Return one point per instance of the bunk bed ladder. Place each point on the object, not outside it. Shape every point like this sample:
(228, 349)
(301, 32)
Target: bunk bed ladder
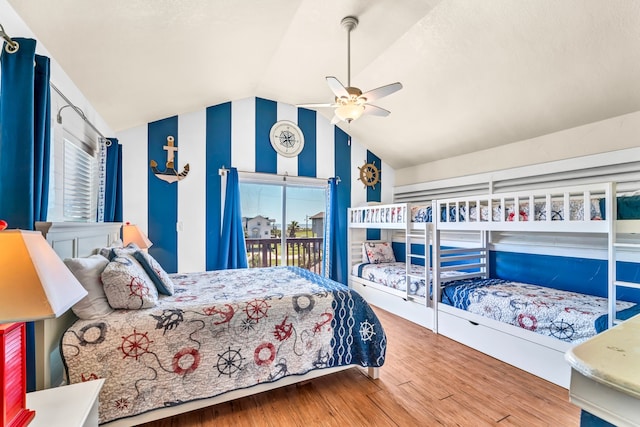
(421, 235)
(436, 284)
(614, 246)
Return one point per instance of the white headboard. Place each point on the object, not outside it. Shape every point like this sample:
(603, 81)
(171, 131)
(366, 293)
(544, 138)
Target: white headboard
(69, 240)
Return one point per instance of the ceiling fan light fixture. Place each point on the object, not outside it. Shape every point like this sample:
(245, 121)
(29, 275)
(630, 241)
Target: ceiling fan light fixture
(350, 103)
(349, 112)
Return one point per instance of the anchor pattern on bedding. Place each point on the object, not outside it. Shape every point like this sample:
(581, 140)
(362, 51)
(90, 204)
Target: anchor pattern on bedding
(221, 331)
(567, 316)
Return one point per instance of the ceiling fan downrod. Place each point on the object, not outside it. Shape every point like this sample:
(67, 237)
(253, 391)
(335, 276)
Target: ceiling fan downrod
(349, 23)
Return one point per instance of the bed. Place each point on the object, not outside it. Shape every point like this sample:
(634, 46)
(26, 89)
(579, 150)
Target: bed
(524, 324)
(571, 317)
(376, 274)
(396, 282)
(219, 336)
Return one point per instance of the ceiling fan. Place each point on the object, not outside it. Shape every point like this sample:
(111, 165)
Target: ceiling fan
(350, 103)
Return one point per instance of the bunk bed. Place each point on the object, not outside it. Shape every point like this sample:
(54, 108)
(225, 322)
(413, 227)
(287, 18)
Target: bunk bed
(459, 233)
(476, 312)
(397, 282)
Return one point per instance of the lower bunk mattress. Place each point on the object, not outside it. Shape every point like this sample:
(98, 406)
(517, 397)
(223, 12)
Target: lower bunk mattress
(221, 331)
(394, 275)
(567, 316)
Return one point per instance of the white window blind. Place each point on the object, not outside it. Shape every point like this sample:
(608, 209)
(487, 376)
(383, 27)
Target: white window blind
(80, 183)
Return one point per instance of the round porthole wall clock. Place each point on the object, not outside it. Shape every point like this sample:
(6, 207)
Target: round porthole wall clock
(286, 138)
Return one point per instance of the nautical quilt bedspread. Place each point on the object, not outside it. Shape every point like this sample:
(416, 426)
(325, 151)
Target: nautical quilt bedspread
(394, 275)
(220, 331)
(568, 316)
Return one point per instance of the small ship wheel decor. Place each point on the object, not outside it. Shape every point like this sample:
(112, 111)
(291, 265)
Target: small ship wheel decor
(369, 174)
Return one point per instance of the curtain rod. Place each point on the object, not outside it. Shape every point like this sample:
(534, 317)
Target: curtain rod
(224, 170)
(12, 45)
(79, 112)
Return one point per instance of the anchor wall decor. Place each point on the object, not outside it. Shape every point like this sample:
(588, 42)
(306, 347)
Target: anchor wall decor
(170, 174)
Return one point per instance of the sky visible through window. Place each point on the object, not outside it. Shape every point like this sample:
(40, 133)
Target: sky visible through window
(266, 200)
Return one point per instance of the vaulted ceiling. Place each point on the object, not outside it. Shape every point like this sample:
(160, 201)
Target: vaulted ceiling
(476, 74)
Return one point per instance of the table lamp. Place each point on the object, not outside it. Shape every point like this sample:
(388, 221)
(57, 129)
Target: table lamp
(131, 234)
(34, 284)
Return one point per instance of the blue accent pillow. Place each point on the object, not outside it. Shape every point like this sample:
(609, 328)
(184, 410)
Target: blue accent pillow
(158, 276)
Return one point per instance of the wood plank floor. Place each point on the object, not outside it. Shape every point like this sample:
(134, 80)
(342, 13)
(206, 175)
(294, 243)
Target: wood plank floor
(427, 380)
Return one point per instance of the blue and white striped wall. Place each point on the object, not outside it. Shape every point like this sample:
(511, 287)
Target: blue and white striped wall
(182, 219)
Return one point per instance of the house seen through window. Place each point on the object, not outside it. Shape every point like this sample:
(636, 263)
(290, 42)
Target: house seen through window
(283, 223)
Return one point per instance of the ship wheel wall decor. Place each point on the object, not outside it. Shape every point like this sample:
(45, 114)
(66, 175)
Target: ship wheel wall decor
(369, 174)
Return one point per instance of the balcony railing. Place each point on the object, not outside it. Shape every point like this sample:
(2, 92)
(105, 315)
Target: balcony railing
(304, 252)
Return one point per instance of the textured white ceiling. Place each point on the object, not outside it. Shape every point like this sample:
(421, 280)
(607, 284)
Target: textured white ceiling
(476, 74)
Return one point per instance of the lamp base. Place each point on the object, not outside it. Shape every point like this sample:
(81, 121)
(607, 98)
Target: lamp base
(23, 418)
(13, 412)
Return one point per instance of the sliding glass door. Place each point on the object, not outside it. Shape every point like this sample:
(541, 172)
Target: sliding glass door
(283, 223)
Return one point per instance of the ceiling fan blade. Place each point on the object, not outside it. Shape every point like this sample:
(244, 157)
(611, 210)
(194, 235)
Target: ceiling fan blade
(323, 105)
(381, 91)
(372, 110)
(336, 87)
(335, 120)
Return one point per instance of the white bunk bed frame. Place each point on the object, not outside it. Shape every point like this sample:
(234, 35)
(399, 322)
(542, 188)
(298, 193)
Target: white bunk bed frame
(540, 355)
(72, 240)
(416, 309)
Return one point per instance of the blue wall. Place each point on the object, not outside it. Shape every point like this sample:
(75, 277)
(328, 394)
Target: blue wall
(163, 197)
(233, 134)
(583, 275)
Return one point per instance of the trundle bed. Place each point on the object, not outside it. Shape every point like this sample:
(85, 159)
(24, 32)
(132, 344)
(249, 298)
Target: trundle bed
(219, 336)
(476, 309)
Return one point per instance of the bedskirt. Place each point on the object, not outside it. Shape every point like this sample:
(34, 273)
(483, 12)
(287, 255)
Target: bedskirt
(221, 331)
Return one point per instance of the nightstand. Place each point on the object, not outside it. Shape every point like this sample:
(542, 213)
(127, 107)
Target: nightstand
(74, 405)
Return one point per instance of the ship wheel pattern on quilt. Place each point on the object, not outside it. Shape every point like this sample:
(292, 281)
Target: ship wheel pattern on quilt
(257, 309)
(562, 330)
(366, 331)
(229, 362)
(135, 345)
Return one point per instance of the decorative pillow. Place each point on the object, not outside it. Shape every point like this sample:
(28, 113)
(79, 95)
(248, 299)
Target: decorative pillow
(127, 285)
(130, 249)
(88, 271)
(158, 276)
(106, 251)
(379, 252)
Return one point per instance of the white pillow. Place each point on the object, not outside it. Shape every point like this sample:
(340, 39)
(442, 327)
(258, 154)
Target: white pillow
(88, 271)
(127, 285)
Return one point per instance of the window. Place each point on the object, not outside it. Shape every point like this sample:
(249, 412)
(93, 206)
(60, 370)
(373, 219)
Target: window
(73, 182)
(290, 216)
(80, 182)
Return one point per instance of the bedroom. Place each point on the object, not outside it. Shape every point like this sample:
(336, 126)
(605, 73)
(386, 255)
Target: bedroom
(593, 122)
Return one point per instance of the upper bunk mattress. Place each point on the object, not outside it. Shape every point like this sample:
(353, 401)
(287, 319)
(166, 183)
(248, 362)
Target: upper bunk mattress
(567, 316)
